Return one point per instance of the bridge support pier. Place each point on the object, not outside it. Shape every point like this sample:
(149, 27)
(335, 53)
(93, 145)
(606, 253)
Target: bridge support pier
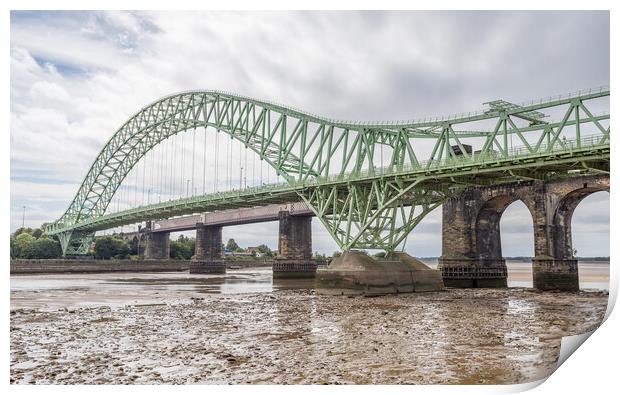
(471, 255)
(555, 274)
(208, 255)
(356, 273)
(157, 245)
(294, 258)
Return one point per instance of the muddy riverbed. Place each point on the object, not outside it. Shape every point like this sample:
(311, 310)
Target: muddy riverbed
(210, 329)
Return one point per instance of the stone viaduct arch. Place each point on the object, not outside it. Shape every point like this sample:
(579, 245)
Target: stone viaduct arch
(471, 244)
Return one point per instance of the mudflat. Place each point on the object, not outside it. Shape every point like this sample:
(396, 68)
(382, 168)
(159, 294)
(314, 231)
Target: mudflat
(294, 336)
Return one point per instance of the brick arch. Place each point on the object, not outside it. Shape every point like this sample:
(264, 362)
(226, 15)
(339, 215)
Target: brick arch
(488, 236)
(471, 244)
(563, 214)
(471, 252)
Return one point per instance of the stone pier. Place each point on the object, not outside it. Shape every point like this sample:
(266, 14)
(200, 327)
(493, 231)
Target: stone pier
(294, 259)
(471, 248)
(157, 245)
(471, 244)
(208, 257)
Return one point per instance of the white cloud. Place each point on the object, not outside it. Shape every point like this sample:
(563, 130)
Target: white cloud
(76, 77)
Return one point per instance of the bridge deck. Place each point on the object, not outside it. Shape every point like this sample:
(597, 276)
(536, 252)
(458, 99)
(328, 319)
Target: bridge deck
(232, 217)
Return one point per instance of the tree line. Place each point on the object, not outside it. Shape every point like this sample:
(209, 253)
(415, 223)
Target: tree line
(29, 243)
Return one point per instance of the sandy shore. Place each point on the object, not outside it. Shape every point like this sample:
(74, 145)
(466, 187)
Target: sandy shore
(592, 275)
(294, 336)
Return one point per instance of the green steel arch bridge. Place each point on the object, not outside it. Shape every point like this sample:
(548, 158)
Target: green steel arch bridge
(369, 183)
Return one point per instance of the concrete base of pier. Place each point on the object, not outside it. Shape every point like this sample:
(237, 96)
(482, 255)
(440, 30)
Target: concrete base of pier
(294, 268)
(555, 274)
(355, 273)
(473, 273)
(207, 267)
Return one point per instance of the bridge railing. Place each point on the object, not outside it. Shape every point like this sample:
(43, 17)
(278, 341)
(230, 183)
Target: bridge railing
(549, 101)
(520, 152)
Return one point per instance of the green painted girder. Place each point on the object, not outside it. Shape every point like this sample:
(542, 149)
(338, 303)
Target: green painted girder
(301, 147)
(427, 188)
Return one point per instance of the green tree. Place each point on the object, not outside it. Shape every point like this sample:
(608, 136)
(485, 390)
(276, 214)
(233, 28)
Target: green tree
(181, 249)
(232, 245)
(265, 250)
(23, 245)
(13, 248)
(37, 233)
(107, 247)
(22, 231)
(45, 248)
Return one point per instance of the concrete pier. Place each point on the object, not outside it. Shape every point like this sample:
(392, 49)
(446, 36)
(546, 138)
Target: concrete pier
(355, 273)
(208, 257)
(157, 245)
(294, 259)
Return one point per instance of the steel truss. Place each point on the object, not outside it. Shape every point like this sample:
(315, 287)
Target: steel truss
(335, 166)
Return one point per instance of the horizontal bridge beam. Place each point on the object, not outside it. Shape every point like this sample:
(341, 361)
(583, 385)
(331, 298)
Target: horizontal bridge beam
(240, 216)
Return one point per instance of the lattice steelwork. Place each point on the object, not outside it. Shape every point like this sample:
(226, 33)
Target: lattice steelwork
(369, 183)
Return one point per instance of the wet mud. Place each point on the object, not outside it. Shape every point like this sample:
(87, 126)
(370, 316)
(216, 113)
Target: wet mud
(294, 336)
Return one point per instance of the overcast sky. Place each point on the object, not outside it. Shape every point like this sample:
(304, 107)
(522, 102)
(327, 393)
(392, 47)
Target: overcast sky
(77, 76)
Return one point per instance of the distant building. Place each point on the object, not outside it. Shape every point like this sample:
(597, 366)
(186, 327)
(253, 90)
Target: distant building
(228, 252)
(254, 251)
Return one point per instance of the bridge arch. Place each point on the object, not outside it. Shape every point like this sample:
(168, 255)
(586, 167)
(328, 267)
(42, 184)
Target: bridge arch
(563, 214)
(163, 119)
(488, 232)
(471, 242)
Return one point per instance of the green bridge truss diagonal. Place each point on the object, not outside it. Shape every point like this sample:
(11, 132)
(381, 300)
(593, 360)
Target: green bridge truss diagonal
(334, 166)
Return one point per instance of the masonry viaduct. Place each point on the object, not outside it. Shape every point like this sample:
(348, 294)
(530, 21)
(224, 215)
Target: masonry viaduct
(471, 243)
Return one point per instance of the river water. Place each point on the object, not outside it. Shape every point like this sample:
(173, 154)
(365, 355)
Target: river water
(244, 328)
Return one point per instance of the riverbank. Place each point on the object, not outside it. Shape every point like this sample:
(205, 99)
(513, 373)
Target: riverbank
(470, 336)
(50, 266)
